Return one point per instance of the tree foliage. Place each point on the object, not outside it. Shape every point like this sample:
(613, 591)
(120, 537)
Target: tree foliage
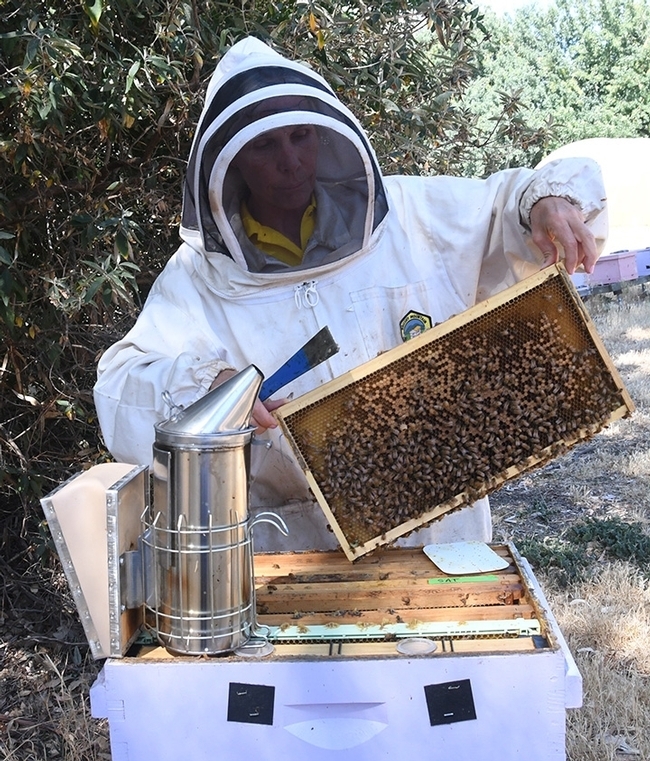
(579, 69)
(98, 103)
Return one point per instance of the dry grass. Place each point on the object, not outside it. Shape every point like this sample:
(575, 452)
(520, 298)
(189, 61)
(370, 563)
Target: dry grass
(601, 600)
(45, 672)
(606, 622)
(602, 603)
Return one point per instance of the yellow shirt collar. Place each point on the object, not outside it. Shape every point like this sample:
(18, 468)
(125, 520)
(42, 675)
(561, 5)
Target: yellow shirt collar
(274, 243)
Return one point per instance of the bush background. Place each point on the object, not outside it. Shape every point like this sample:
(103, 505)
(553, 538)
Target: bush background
(98, 103)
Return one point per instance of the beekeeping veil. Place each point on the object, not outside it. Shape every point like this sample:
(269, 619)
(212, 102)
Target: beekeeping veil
(254, 90)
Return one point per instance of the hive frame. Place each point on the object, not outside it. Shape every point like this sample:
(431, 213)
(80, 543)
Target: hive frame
(313, 402)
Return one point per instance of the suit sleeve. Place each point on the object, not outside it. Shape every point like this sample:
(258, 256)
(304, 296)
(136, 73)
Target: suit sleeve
(170, 348)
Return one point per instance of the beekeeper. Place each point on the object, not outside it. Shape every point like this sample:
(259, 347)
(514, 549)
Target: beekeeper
(288, 226)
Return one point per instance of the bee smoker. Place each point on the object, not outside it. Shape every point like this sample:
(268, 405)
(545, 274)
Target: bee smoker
(197, 535)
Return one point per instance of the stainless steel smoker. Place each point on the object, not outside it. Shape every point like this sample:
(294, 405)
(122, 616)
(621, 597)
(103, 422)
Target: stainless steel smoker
(181, 564)
(199, 581)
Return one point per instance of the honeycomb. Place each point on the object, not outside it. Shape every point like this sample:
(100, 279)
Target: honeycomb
(442, 424)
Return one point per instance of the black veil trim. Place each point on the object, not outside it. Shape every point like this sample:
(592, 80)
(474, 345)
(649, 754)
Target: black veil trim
(232, 90)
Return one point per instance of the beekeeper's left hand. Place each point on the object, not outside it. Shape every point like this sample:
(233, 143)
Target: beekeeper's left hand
(556, 224)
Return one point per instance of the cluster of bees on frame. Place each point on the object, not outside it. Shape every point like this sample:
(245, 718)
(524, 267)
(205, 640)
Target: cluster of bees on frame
(453, 416)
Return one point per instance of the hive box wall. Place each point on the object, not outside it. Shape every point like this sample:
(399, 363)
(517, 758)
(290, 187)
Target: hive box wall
(352, 710)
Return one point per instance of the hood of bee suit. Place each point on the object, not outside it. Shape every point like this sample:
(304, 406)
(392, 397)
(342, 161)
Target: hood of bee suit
(254, 90)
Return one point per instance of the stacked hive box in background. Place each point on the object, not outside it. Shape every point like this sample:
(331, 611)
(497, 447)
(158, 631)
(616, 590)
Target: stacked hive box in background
(448, 417)
(614, 268)
(643, 262)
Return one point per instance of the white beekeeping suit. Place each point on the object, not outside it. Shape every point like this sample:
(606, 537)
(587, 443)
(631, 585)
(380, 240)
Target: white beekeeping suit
(382, 248)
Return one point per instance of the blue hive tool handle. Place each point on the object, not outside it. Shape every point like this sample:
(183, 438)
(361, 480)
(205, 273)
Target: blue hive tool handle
(319, 348)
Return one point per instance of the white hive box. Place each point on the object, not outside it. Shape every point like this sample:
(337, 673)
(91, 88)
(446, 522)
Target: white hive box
(336, 688)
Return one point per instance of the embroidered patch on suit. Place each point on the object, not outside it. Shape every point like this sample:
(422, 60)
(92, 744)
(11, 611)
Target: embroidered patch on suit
(414, 323)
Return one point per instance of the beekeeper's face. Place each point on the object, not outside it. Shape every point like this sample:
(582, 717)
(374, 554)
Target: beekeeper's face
(279, 168)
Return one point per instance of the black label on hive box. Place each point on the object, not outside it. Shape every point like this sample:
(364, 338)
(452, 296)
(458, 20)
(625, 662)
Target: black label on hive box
(251, 703)
(449, 702)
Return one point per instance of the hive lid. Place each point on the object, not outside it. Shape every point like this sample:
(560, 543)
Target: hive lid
(94, 519)
(456, 412)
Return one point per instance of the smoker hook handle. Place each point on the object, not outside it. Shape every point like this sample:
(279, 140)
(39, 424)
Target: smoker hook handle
(269, 517)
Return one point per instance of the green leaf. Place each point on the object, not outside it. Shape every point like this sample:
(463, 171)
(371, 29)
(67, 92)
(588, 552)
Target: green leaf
(92, 289)
(122, 244)
(5, 257)
(33, 47)
(94, 12)
(44, 109)
(20, 155)
(81, 220)
(135, 67)
(390, 105)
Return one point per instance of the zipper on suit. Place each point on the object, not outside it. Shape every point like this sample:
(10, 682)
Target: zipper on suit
(305, 295)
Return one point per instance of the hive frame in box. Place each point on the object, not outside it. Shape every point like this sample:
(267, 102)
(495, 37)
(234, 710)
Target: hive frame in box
(583, 392)
(391, 595)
